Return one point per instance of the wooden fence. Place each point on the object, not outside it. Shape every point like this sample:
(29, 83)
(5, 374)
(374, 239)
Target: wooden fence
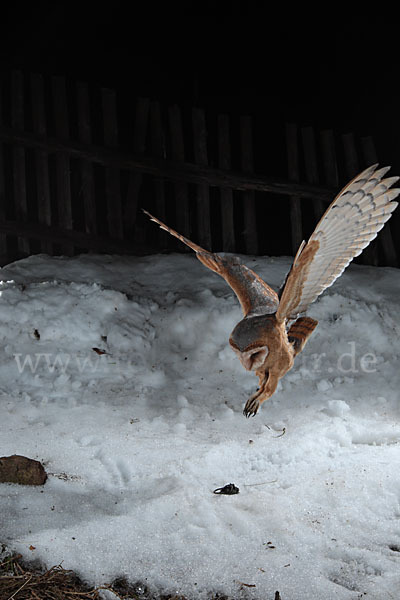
(76, 165)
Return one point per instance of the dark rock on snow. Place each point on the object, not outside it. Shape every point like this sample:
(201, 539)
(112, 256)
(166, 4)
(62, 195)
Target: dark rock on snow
(22, 470)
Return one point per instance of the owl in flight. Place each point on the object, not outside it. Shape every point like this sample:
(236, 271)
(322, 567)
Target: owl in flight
(264, 340)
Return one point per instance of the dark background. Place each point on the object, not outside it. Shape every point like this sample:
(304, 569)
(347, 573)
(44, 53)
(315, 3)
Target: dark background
(319, 67)
(313, 67)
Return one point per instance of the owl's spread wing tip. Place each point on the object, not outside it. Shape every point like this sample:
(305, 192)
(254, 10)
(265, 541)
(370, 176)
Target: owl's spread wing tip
(192, 245)
(146, 212)
(151, 217)
(155, 220)
(350, 223)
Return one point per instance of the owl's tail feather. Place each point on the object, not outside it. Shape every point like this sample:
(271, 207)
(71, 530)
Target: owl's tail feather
(300, 331)
(210, 260)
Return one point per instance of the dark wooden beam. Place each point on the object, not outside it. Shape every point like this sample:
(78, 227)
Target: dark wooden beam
(172, 170)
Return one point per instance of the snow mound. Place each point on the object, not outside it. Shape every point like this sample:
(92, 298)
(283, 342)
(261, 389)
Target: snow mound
(116, 373)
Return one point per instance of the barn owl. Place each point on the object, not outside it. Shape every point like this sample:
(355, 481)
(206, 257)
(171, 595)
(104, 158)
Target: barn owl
(267, 340)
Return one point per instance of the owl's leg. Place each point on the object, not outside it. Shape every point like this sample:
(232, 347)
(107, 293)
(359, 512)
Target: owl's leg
(268, 385)
(252, 405)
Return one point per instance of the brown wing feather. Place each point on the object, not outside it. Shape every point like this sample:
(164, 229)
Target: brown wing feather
(255, 296)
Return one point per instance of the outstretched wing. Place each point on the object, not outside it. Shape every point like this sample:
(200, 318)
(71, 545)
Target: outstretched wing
(350, 223)
(255, 296)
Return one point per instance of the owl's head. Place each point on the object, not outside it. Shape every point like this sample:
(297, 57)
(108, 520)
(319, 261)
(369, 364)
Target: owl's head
(249, 340)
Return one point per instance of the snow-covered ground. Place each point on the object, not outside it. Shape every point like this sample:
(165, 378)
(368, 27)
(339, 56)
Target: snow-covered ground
(136, 439)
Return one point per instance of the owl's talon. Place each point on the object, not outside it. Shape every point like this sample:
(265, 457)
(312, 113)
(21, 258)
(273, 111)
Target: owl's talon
(251, 408)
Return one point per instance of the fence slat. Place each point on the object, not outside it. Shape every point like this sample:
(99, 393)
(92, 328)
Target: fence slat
(178, 155)
(224, 162)
(329, 158)
(113, 182)
(186, 177)
(19, 167)
(203, 190)
(41, 157)
(311, 163)
(294, 175)
(86, 167)
(135, 177)
(3, 237)
(61, 121)
(352, 163)
(385, 235)
(249, 203)
(158, 150)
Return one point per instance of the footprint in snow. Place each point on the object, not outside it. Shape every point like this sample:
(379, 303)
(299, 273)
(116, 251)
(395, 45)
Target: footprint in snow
(117, 469)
